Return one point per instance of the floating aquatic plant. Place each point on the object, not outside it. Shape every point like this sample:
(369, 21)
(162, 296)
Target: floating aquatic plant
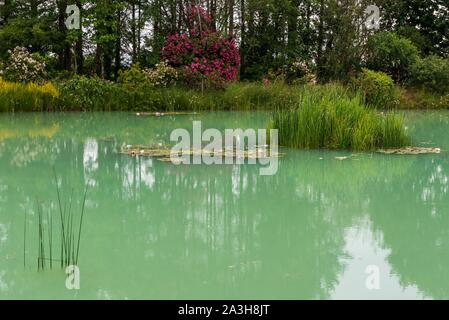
(164, 154)
(411, 151)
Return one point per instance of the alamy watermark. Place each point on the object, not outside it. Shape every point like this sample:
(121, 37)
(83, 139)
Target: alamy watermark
(372, 21)
(73, 20)
(73, 280)
(372, 281)
(237, 146)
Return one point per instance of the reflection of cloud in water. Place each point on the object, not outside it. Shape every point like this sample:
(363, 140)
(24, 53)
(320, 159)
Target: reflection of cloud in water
(362, 250)
(3, 189)
(146, 172)
(103, 295)
(3, 233)
(436, 184)
(3, 284)
(239, 180)
(236, 180)
(90, 160)
(128, 179)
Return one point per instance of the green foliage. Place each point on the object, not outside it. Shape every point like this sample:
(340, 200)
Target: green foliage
(431, 73)
(36, 33)
(426, 23)
(377, 88)
(423, 99)
(391, 54)
(92, 94)
(132, 77)
(82, 93)
(327, 117)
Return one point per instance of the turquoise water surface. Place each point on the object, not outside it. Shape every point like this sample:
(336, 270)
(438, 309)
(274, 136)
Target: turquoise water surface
(153, 230)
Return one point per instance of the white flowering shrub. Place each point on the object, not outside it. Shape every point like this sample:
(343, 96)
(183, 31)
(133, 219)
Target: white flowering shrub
(162, 75)
(299, 72)
(22, 67)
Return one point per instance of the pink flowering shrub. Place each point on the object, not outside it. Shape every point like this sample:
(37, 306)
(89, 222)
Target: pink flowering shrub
(203, 55)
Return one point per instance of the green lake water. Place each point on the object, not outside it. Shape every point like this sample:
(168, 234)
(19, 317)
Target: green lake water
(153, 230)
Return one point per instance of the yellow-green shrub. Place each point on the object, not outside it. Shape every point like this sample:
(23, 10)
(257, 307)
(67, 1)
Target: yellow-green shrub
(27, 97)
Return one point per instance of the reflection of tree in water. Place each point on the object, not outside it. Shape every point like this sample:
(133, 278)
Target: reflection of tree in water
(244, 233)
(411, 211)
(415, 224)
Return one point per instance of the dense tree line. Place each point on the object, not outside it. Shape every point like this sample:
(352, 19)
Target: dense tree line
(329, 35)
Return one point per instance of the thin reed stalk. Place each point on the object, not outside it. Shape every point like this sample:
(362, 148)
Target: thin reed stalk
(81, 224)
(70, 232)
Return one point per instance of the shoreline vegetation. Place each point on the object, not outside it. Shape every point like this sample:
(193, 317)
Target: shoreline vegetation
(308, 116)
(331, 94)
(331, 116)
(94, 94)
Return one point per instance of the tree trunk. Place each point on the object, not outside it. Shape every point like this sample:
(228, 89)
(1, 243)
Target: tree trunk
(118, 44)
(99, 70)
(242, 37)
(133, 32)
(79, 42)
(139, 27)
(231, 17)
(320, 41)
(64, 54)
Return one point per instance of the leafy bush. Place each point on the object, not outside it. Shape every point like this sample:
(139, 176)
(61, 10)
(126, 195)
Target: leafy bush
(431, 73)
(23, 67)
(132, 77)
(27, 97)
(392, 54)
(330, 118)
(92, 94)
(378, 89)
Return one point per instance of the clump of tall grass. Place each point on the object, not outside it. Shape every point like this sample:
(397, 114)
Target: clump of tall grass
(330, 118)
(70, 228)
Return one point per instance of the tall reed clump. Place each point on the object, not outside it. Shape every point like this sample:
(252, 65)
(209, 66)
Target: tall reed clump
(15, 96)
(70, 231)
(330, 118)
